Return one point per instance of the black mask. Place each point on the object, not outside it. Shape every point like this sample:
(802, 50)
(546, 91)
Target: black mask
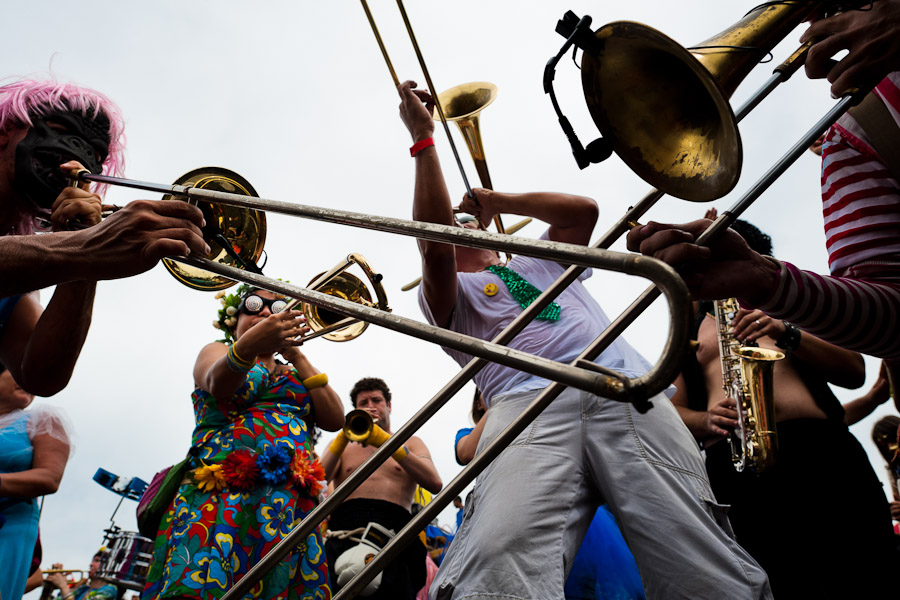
(72, 136)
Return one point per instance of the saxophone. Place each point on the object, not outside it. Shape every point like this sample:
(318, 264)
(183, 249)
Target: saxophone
(747, 378)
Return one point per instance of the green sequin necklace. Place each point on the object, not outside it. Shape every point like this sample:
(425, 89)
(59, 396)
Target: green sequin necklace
(524, 293)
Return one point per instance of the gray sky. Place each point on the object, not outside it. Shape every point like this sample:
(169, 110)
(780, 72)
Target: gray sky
(296, 97)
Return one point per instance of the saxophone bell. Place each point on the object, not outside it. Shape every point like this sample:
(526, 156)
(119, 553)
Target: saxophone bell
(758, 437)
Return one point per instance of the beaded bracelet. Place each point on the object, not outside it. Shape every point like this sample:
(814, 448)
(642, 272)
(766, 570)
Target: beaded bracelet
(311, 383)
(236, 363)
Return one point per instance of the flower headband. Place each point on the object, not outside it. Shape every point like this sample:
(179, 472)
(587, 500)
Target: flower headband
(228, 314)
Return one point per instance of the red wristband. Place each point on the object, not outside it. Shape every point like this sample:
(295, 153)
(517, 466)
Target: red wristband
(418, 146)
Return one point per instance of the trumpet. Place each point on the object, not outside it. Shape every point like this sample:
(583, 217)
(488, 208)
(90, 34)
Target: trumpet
(359, 425)
(64, 572)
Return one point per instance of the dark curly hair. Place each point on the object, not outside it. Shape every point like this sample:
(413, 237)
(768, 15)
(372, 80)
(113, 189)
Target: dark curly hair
(370, 384)
(756, 239)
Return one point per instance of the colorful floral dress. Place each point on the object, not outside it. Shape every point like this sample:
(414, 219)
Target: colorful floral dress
(254, 476)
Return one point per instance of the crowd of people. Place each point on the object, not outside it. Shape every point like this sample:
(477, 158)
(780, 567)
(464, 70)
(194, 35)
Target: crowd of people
(594, 499)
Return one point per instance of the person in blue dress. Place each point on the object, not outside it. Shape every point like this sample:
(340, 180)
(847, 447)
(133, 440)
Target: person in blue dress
(34, 449)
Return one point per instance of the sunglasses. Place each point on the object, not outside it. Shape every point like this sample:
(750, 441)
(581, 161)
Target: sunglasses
(253, 305)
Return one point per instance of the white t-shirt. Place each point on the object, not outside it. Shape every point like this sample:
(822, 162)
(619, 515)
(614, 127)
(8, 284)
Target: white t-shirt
(581, 321)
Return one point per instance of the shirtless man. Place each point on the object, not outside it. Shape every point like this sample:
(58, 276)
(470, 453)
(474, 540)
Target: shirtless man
(384, 498)
(820, 508)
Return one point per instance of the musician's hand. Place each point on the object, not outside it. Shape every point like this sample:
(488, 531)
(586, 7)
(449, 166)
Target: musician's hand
(725, 268)
(750, 325)
(869, 36)
(135, 238)
(880, 392)
(721, 419)
(481, 205)
(416, 110)
(272, 333)
(58, 580)
(291, 353)
(895, 510)
(75, 204)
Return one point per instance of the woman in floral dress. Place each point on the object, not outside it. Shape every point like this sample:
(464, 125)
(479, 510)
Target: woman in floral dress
(254, 473)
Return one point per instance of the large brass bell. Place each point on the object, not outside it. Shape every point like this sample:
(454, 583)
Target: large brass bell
(243, 229)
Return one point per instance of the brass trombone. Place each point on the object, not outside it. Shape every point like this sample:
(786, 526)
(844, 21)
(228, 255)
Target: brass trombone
(583, 375)
(461, 104)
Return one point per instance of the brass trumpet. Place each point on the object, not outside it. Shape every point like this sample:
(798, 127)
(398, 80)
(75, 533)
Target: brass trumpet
(359, 425)
(63, 571)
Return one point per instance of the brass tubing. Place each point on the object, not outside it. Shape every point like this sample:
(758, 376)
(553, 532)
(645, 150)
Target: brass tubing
(613, 386)
(384, 52)
(434, 94)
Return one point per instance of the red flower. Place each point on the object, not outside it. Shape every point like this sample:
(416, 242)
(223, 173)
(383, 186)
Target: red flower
(307, 472)
(240, 470)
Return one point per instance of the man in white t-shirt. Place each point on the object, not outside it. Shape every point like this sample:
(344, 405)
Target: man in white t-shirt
(531, 507)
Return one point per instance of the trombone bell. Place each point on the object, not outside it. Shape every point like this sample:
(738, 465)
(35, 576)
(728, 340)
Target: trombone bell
(665, 108)
(462, 105)
(663, 111)
(340, 284)
(347, 287)
(244, 229)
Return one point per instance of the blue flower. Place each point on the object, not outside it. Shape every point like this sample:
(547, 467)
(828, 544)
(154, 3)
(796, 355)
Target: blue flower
(276, 516)
(274, 464)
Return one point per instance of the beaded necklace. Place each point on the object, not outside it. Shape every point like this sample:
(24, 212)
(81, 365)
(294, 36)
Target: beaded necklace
(524, 293)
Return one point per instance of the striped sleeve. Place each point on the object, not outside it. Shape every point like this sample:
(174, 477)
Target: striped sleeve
(856, 314)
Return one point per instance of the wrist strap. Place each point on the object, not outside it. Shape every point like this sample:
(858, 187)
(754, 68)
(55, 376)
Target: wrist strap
(790, 340)
(419, 146)
(400, 453)
(338, 444)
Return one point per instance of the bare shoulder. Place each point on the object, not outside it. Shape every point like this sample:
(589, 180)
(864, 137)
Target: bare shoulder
(417, 446)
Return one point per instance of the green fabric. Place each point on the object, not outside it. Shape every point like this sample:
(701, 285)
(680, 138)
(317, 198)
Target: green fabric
(524, 293)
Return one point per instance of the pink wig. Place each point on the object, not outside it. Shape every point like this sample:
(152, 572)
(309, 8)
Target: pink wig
(26, 99)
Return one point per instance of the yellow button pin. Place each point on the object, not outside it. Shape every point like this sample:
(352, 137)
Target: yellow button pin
(491, 289)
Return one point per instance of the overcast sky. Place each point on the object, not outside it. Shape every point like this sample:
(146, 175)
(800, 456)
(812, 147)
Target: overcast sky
(296, 97)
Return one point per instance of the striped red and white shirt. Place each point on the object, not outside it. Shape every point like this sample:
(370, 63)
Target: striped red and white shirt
(860, 197)
(858, 307)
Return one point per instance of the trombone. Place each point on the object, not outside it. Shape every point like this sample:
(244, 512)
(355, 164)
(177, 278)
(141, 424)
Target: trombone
(584, 375)
(461, 104)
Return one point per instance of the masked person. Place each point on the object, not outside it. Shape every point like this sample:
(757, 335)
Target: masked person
(46, 129)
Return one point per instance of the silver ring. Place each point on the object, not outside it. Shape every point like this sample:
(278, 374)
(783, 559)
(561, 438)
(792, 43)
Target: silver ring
(757, 322)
